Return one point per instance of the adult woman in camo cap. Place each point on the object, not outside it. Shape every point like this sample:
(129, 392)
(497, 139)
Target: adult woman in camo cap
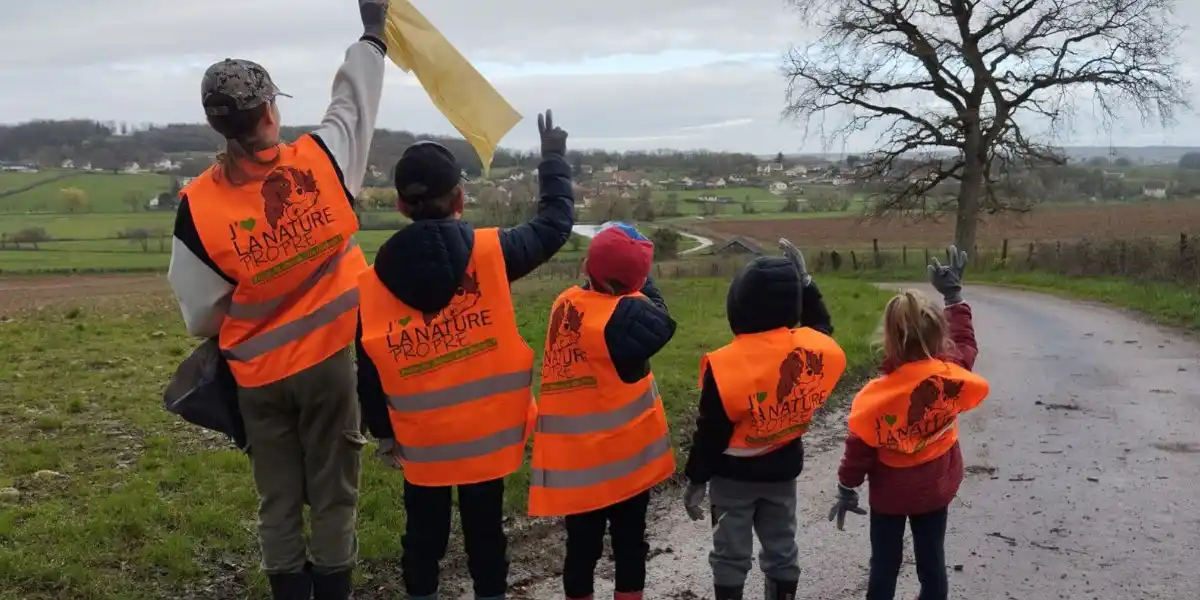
(263, 259)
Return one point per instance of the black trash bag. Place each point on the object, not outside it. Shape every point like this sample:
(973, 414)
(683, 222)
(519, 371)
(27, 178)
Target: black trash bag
(204, 393)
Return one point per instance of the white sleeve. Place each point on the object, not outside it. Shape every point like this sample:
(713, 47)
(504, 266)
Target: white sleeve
(203, 295)
(349, 124)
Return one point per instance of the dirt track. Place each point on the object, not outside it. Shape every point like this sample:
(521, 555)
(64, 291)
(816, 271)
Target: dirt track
(1083, 467)
(31, 292)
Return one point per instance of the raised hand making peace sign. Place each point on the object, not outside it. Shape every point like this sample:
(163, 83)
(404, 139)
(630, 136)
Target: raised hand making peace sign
(554, 139)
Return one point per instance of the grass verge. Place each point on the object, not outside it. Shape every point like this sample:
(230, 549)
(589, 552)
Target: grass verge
(115, 498)
(1171, 304)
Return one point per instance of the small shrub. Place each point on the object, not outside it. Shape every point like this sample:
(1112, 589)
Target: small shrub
(666, 243)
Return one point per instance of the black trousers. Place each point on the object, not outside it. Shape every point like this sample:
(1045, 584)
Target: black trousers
(887, 554)
(427, 532)
(626, 523)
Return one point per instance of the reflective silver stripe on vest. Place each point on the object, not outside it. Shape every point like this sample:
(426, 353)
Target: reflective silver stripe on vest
(290, 332)
(575, 478)
(266, 308)
(463, 450)
(591, 423)
(744, 452)
(462, 393)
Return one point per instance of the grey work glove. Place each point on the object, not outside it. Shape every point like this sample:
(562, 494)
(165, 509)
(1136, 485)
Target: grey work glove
(554, 139)
(374, 16)
(389, 453)
(693, 500)
(948, 280)
(847, 501)
(793, 254)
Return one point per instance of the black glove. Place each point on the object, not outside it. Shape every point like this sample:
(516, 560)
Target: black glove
(374, 15)
(948, 280)
(554, 139)
(847, 501)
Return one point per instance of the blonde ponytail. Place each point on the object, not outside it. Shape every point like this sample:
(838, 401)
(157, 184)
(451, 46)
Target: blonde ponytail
(913, 328)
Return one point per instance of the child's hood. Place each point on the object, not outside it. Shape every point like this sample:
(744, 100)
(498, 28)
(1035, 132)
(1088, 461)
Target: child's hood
(765, 295)
(423, 264)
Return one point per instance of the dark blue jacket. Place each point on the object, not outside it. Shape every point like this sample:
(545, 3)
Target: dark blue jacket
(423, 264)
(636, 331)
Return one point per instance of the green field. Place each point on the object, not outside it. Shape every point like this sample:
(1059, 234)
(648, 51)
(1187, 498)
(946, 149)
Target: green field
(764, 204)
(11, 181)
(129, 255)
(105, 192)
(120, 500)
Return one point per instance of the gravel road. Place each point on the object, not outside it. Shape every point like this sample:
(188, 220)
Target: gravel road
(1082, 472)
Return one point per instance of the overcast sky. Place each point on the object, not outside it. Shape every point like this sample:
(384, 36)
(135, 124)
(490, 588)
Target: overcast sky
(620, 74)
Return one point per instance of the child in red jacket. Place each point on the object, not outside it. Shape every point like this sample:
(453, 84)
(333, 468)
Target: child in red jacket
(904, 432)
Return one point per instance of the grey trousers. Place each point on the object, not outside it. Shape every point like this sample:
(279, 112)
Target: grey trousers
(742, 509)
(305, 447)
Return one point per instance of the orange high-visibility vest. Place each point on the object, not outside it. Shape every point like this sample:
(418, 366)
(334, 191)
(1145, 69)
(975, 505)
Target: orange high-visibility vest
(771, 383)
(458, 380)
(287, 242)
(911, 414)
(599, 440)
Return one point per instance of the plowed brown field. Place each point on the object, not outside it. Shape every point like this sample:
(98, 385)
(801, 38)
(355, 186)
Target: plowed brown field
(17, 293)
(1148, 219)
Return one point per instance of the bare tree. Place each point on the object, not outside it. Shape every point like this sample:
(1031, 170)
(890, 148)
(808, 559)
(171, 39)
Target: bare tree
(957, 86)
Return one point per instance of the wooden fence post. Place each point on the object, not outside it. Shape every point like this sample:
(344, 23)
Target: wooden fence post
(875, 250)
(904, 255)
(854, 259)
(1029, 257)
(1183, 244)
(1004, 253)
(926, 255)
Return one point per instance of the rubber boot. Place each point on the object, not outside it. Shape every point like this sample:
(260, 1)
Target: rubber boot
(627, 595)
(780, 590)
(290, 586)
(332, 586)
(727, 592)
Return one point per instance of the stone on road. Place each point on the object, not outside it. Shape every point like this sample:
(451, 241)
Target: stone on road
(1081, 472)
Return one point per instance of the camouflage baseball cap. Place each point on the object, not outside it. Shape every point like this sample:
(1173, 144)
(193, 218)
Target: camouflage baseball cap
(236, 84)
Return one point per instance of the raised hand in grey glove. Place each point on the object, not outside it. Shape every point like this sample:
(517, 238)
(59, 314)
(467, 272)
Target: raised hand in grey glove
(948, 279)
(554, 139)
(374, 15)
(693, 499)
(847, 501)
(793, 254)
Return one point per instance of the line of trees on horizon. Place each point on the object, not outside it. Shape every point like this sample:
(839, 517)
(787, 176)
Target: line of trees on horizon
(111, 146)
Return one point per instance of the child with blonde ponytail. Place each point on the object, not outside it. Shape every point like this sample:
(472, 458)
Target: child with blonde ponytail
(904, 431)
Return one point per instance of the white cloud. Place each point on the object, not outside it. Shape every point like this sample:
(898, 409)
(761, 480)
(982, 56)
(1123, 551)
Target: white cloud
(623, 74)
(718, 124)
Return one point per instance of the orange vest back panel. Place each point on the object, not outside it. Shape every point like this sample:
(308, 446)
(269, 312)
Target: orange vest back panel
(599, 440)
(911, 414)
(458, 380)
(287, 241)
(771, 383)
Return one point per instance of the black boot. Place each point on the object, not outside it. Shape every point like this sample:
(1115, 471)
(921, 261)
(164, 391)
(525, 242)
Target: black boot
(290, 586)
(727, 592)
(332, 586)
(780, 590)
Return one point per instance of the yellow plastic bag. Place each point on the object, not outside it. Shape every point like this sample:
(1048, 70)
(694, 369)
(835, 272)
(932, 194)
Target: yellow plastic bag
(459, 91)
